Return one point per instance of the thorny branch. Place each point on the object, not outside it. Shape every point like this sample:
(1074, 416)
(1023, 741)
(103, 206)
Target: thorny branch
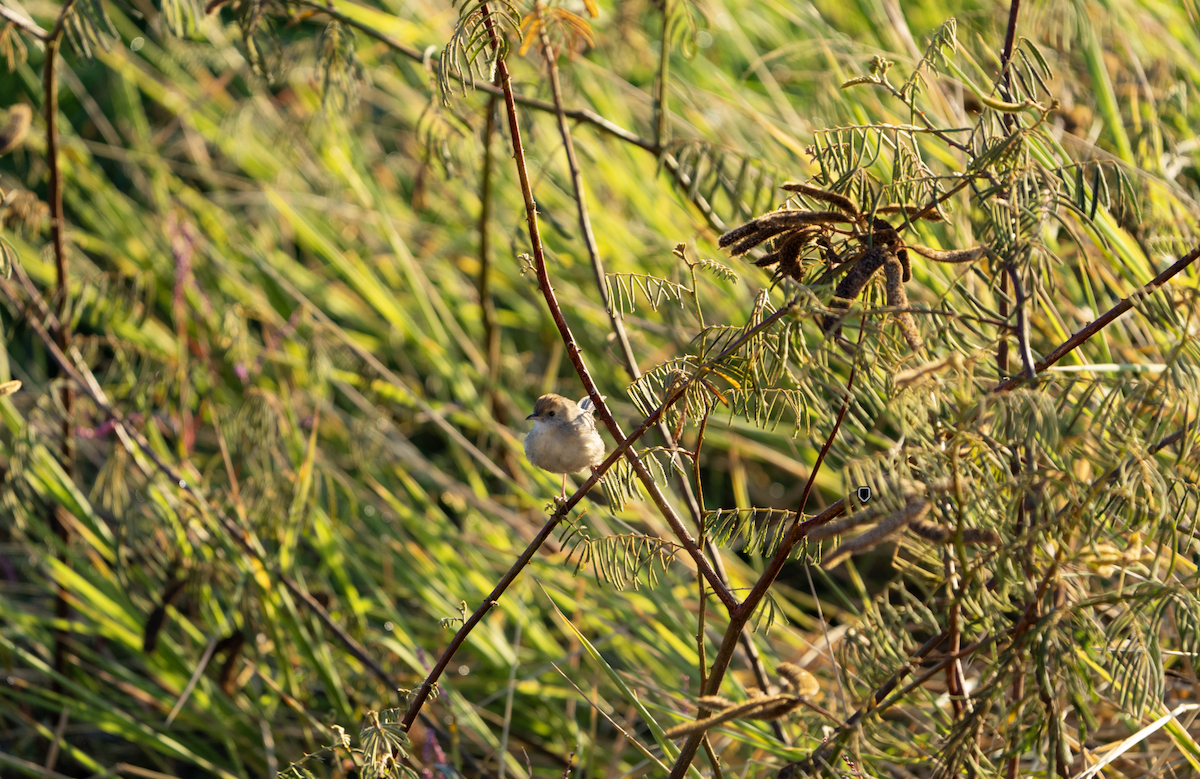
(1076, 340)
(618, 327)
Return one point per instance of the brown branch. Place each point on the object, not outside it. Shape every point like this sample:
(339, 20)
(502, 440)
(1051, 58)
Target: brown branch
(624, 449)
(741, 616)
(1104, 320)
(661, 85)
(1022, 322)
(1010, 38)
(572, 349)
(618, 328)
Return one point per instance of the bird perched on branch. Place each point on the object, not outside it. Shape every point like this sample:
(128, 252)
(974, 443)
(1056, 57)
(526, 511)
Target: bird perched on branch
(564, 438)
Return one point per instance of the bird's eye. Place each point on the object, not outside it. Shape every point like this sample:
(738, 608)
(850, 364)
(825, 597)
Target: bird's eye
(551, 413)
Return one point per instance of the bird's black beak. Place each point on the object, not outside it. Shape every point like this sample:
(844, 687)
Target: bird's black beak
(531, 416)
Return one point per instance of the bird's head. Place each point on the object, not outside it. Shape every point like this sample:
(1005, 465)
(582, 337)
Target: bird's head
(553, 409)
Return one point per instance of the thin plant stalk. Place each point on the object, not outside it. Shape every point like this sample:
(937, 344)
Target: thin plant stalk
(62, 293)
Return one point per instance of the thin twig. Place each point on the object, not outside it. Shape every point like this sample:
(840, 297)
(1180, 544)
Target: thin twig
(1022, 322)
(1104, 320)
(581, 208)
(491, 329)
(578, 114)
(618, 328)
(1010, 39)
(661, 84)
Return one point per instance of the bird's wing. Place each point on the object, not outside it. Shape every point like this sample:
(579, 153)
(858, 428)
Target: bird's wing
(587, 419)
(586, 404)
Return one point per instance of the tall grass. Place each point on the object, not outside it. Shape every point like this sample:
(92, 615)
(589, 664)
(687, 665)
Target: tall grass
(273, 241)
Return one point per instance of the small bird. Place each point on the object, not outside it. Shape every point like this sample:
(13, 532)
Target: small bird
(564, 438)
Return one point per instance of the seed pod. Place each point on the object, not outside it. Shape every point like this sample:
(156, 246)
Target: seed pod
(913, 511)
(802, 683)
(753, 237)
(912, 212)
(956, 256)
(794, 218)
(840, 202)
(972, 536)
(853, 283)
(787, 254)
(893, 271)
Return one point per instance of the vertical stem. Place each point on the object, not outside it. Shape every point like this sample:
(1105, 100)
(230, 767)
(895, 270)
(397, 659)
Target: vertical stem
(664, 74)
(581, 207)
(618, 328)
(491, 331)
(54, 190)
(1002, 348)
(1010, 36)
(61, 292)
(954, 675)
(1010, 39)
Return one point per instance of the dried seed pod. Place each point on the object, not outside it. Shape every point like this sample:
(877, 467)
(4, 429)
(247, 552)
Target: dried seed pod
(853, 284)
(795, 218)
(972, 536)
(840, 526)
(760, 235)
(787, 254)
(802, 683)
(737, 233)
(912, 212)
(957, 256)
(713, 703)
(897, 298)
(840, 202)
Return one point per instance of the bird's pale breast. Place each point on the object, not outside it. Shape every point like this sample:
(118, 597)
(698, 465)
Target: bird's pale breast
(567, 448)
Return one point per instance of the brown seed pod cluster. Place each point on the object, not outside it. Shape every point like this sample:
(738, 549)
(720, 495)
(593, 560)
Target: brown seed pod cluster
(869, 245)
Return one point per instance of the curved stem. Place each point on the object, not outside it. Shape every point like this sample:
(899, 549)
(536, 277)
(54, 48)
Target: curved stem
(664, 75)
